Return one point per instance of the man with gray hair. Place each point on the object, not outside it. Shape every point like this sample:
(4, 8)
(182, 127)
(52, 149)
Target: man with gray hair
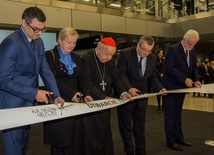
(180, 72)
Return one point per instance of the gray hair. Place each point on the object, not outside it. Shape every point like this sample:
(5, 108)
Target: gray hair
(148, 39)
(190, 34)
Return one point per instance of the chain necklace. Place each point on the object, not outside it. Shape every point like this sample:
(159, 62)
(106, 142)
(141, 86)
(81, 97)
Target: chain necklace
(102, 76)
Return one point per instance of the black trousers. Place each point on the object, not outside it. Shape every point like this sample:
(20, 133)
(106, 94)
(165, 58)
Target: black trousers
(173, 104)
(131, 117)
(61, 150)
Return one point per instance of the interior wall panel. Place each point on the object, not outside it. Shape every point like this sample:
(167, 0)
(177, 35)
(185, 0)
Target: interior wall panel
(112, 23)
(86, 20)
(136, 26)
(179, 29)
(11, 12)
(204, 25)
(168, 31)
(155, 29)
(57, 17)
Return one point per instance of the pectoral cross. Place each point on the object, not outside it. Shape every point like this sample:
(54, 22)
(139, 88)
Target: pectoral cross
(103, 84)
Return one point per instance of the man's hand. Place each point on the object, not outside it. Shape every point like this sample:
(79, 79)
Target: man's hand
(189, 82)
(134, 92)
(126, 96)
(197, 84)
(164, 91)
(41, 96)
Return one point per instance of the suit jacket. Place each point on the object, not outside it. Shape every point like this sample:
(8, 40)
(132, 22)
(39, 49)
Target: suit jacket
(176, 67)
(19, 70)
(211, 74)
(129, 71)
(204, 73)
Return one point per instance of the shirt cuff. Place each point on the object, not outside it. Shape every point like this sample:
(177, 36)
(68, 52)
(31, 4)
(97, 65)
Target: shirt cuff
(121, 96)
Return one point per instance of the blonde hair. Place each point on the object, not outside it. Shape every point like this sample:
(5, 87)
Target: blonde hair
(65, 32)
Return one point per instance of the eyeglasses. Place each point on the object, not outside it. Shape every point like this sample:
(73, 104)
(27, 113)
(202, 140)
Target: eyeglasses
(36, 30)
(144, 49)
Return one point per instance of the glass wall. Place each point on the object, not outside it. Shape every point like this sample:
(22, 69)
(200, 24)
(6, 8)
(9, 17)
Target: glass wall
(164, 8)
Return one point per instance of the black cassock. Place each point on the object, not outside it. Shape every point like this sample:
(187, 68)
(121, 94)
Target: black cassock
(94, 128)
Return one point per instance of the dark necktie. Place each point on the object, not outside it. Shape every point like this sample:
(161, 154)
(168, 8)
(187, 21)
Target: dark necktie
(187, 54)
(140, 68)
(32, 45)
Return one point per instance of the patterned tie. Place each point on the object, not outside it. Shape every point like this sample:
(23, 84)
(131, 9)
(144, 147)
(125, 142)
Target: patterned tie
(140, 68)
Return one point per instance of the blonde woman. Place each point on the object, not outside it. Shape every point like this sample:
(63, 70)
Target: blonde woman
(67, 68)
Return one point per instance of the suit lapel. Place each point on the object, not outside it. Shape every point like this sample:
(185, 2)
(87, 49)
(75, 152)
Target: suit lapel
(26, 47)
(26, 42)
(37, 55)
(182, 53)
(190, 59)
(135, 62)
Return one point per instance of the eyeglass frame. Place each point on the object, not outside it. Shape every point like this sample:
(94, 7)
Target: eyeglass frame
(36, 30)
(144, 49)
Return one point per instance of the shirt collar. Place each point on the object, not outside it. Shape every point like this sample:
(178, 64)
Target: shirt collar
(139, 57)
(183, 47)
(26, 35)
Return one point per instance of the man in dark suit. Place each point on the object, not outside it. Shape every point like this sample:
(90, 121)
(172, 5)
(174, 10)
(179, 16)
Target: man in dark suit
(136, 66)
(211, 75)
(180, 72)
(20, 66)
(211, 72)
(204, 73)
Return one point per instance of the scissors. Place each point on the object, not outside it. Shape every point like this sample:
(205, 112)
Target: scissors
(50, 101)
(79, 97)
(139, 92)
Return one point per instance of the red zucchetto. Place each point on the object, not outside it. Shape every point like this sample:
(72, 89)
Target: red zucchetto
(108, 41)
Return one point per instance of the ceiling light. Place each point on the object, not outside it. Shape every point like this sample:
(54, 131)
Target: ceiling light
(86, 0)
(116, 5)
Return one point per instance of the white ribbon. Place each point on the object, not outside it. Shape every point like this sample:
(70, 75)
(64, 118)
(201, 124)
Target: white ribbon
(16, 117)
